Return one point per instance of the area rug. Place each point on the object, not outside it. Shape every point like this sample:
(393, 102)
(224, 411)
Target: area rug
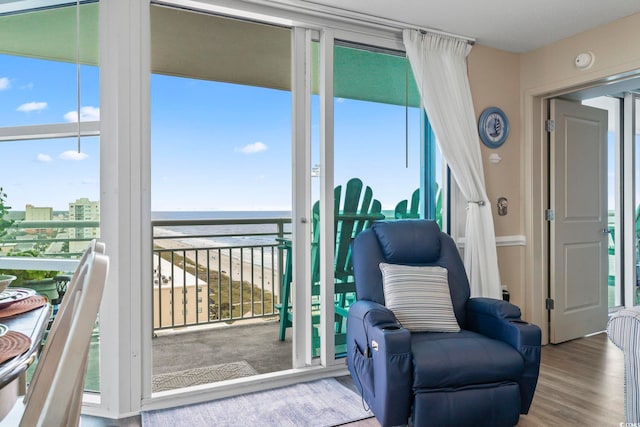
(197, 376)
(318, 403)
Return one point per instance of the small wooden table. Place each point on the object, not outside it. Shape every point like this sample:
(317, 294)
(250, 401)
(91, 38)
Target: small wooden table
(32, 324)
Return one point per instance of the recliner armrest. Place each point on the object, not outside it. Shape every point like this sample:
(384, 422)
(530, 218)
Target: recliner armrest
(494, 307)
(379, 359)
(501, 320)
(372, 313)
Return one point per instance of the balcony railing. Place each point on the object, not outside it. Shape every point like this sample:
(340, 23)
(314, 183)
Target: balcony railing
(213, 271)
(204, 271)
(57, 243)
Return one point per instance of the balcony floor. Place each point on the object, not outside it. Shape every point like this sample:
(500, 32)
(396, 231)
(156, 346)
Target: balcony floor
(255, 342)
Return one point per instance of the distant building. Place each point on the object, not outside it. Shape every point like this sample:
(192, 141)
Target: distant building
(83, 209)
(179, 298)
(37, 213)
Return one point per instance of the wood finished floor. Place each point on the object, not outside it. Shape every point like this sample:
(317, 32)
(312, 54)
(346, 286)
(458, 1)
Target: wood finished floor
(581, 383)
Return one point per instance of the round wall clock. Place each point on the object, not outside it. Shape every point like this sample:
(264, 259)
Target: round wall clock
(493, 127)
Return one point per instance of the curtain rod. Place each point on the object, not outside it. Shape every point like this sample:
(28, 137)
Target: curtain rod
(349, 16)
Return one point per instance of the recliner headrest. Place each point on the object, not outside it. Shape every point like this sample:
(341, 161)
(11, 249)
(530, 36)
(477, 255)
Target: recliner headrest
(410, 241)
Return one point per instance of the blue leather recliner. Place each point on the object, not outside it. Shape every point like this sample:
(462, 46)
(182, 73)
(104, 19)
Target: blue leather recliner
(484, 375)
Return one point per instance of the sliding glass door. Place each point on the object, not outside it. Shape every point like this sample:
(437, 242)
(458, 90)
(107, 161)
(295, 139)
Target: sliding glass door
(632, 138)
(221, 197)
(272, 147)
(380, 162)
(623, 201)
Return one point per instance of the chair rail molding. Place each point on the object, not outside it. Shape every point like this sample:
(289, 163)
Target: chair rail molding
(513, 240)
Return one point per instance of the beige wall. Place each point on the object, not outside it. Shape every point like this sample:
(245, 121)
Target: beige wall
(518, 83)
(546, 72)
(495, 81)
(616, 48)
(494, 76)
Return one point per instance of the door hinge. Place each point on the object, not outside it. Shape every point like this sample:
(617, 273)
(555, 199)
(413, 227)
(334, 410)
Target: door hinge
(548, 304)
(549, 125)
(549, 215)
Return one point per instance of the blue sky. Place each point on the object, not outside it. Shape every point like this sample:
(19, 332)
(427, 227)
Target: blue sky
(215, 146)
(47, 172)
(219, 146)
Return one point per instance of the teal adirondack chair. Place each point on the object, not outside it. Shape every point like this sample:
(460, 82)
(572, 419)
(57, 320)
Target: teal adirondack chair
(354, 211)
(403, 210)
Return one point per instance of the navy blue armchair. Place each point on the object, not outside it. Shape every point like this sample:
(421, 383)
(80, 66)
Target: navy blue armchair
(483, 375)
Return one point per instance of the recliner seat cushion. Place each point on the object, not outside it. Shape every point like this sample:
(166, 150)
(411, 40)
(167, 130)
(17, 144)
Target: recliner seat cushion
(441, 360)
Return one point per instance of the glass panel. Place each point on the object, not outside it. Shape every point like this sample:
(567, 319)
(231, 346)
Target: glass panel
(38, 75)
(612, 105)
(315, 198)
(48, 183)
(38, 221)
(221, 197)
(435, 179)
(377, 166)
(637, 195)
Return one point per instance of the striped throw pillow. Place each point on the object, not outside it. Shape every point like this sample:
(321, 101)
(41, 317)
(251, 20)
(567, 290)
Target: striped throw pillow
(419, 297)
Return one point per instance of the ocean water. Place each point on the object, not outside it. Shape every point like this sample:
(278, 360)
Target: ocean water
(233, 229)
(219, 214)
(225, 235)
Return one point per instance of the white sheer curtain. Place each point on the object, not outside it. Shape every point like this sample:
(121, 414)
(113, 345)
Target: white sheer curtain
(439, 64)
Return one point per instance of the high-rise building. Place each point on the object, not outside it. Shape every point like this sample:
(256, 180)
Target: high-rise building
(37, 213)
(83, 209)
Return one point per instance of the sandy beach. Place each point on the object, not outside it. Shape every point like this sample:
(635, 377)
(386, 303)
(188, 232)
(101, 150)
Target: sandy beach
(219, 260)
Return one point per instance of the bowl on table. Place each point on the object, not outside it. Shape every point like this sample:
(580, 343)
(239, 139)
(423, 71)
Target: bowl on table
(5, 281)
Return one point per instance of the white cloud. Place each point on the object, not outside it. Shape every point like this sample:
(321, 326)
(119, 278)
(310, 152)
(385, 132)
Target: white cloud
(256, 147)
(4, 83)
(87, 114)
(44, 158)
(32, 106)
(73, 155)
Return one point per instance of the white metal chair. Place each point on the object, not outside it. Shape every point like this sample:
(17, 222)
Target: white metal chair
(87, 256)
(54, 396)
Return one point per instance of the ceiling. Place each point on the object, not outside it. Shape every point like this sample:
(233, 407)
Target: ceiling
(203, 46)
(511, 25)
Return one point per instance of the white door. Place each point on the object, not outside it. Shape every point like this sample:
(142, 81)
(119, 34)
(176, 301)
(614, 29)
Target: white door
(578, 240)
